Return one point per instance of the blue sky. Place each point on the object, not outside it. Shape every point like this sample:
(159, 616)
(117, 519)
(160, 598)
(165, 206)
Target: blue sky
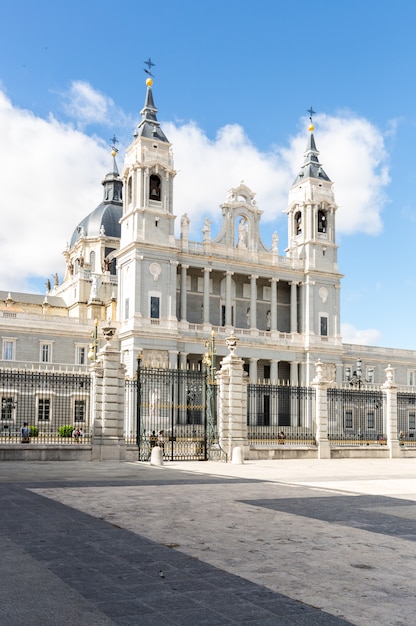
(233, 81)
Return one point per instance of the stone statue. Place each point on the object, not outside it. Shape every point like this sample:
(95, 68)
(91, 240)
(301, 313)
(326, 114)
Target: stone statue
(268, 320)
(206, 231)
(56, 279)
(275, 241)
(242, 243)
(94, 288)
(185, 221)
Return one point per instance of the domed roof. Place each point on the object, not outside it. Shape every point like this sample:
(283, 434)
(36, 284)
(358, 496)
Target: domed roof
(105, 219)
(105, 215)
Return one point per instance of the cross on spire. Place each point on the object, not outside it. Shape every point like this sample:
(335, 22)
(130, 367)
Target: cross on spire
(149, 64)
(311, 113)
(114, 141)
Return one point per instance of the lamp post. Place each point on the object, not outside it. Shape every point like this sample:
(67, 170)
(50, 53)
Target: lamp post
(209, 362)
(92, 354)
(357, 376)
(209, 358)
(138, 402)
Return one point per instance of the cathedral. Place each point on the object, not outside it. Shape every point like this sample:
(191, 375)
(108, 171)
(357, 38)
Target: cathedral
(167, 297)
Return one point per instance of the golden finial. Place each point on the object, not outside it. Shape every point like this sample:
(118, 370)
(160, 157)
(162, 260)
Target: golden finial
(149, 82)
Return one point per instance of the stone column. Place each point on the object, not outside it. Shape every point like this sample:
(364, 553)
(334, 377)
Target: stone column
(232, 403)
(108, 382)
(294, 375)
(321, 386)
(253, 301)
(273, 304)
(293, 308)
(207, 271)
(274, 371)
(183, 292)
(253, 370)
(389, 389)
(173, 359)
(228, 316)
(172, 292)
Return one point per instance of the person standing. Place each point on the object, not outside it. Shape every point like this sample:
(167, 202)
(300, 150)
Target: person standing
(25, 433)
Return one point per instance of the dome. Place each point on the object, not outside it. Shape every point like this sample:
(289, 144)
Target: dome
(105, 215)
(105, 219)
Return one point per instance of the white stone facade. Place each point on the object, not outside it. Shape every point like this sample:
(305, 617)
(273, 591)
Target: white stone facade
(166, 294)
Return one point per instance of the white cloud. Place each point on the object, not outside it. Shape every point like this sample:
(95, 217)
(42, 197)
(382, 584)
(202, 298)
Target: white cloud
(50, 180)
(351, 150)
(87, 106)
(368, 337)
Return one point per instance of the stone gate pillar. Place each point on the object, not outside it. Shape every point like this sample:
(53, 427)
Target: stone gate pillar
(321, 383)
(108, 381)
(232, 402)
(389, 389)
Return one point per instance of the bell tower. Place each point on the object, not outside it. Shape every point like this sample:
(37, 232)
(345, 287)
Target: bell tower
(148, 182)
(146, 260)
(311, 244)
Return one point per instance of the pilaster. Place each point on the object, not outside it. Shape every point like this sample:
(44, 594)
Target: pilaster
(108, 380)
(390, 393)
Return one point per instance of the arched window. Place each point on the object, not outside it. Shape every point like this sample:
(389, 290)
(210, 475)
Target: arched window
(92, 261)
(129, 191)
(298, 223)
(154, 187)
(321, 221)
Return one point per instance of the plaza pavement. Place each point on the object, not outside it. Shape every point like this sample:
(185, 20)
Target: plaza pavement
(263, 543)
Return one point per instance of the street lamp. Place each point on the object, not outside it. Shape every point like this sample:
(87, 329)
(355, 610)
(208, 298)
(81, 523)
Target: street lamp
(357, 376)
(209, 358)
(92, 354)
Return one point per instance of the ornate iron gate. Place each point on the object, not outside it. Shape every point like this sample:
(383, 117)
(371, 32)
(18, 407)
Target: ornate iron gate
(170, 413)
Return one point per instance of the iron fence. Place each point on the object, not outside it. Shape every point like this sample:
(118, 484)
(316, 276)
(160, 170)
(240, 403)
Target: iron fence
(167, 408)
(52, 407)
(278, 414)
(406, 418)
(355, 417)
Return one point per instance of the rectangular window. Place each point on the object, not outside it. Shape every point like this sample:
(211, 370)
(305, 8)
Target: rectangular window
(80, 409)
(8, 349)
(7, 406)
(412, 421)
(348, 419)
(154, 307)
(81, 355)
(370, 420)
(44, 409)
(46, 353)
(411, 378)
(324, 326)
(370, 375)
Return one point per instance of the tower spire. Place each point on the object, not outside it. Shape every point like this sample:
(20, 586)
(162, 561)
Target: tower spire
(149, 126)
(311, 167)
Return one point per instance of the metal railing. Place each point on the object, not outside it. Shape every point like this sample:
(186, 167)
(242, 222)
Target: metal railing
(406, 418)
(355, 417)
(52, 406)
(280, 415)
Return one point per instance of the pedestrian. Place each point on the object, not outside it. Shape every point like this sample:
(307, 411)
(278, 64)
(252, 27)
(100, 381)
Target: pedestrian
(76, 433)
(25, 433)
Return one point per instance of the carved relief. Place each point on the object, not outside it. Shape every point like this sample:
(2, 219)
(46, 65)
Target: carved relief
(155, 358)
